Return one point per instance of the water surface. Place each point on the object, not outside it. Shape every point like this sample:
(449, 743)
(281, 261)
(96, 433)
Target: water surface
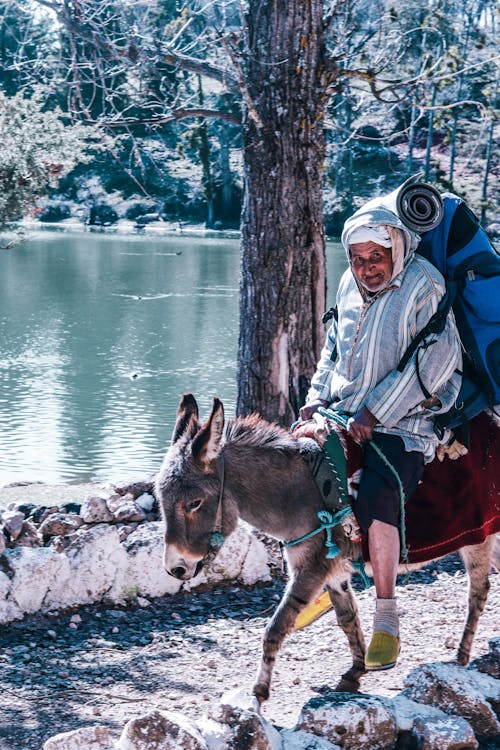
(99, 337)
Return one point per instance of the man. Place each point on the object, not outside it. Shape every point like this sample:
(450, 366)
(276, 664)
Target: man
(385, 297)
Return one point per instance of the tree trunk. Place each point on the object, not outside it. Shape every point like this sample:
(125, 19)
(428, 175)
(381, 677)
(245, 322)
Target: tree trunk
(283, 280)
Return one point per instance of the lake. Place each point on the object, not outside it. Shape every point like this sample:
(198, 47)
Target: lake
(99, 337)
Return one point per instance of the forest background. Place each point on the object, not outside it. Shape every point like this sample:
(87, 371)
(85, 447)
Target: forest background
(161, 159)
(277, 117)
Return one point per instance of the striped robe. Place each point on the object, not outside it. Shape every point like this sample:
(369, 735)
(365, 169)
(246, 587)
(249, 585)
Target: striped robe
(362, 351)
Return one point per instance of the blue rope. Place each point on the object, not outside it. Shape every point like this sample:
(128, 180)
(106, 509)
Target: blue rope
(341, 419)
(328, 521)
(359, 567)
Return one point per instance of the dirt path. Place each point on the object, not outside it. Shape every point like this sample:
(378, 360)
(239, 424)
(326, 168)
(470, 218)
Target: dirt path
(181, 653)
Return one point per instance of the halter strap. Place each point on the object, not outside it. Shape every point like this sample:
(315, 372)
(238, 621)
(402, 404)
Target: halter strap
(216, 537)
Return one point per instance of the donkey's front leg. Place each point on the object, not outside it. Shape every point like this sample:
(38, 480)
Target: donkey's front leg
(299, 592)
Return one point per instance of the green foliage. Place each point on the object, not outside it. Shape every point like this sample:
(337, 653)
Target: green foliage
(36, 149)
(120, 65)
(23, 36)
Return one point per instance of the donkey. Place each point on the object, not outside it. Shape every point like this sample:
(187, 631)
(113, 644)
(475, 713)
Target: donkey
(215, 474)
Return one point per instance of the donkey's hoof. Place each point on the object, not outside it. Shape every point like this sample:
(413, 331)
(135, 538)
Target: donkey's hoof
(350, 680)
(346, 686)
(261, 692)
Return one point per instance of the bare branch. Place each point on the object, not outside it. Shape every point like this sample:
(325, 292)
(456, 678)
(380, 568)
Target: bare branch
(201, 67)
(181, 113)
(132, 53)
(252, 112)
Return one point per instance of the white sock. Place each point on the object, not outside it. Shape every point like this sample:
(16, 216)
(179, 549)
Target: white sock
(386, 617)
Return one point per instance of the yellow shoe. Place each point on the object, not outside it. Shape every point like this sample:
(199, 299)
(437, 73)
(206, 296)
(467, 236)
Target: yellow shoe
(383, 651)
(319, 606)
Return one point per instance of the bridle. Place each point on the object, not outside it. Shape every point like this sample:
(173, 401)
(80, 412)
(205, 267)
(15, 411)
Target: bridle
(216, 537)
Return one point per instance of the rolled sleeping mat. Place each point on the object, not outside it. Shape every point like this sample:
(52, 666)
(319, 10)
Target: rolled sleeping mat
(419, 205)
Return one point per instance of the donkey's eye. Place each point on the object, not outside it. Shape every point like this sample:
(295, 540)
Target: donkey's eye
(193, 505)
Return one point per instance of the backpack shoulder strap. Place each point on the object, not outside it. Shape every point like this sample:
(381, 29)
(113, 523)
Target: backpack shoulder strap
(329, 314)
(435, 325)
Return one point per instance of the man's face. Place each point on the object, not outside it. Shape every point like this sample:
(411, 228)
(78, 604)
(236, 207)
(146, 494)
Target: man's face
(371, 264)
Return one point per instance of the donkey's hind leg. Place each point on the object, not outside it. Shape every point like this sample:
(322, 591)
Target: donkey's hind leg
(477, 563)
(346, 609)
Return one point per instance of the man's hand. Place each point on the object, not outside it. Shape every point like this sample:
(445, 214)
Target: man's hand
(306, 412)
(360, 427)
(454, 450)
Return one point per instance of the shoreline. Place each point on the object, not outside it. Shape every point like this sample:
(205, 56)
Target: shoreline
(39, 493)
(123, 227)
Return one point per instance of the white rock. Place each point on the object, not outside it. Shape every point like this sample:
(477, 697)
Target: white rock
(240, 710)
(242, 557)
(300, 740)
(9, 610)
(86, 738)
(35, 570)
(216, 735)
(412, 718)
(13, 521)
(143, 569)
(457, 690)
(60, 524)
(129, 512)
(145, 501)
(242, 699)
(256, 563)
(94, 557)
(161, 731)
(449, 733)
(353, 721)
(116, 500)
(95, 510)
(96, 566)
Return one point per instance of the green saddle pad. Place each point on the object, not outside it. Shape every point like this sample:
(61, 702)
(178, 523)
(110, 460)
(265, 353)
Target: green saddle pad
(328, 467)
(335, 456)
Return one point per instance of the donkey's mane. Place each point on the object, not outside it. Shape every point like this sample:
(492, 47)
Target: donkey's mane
(254, 432)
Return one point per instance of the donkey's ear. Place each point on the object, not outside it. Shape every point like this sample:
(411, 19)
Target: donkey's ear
(187, 421)
(205, 446)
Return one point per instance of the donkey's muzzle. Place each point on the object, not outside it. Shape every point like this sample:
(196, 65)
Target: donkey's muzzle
(184, 574)
(178, 572)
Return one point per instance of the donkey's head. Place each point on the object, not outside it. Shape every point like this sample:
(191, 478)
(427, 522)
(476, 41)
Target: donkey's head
(188, 489)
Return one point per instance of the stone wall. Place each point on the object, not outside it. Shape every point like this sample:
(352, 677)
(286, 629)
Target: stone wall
(106, 549)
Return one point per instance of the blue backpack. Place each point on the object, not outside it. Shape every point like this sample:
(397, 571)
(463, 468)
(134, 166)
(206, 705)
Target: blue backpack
(462, 251)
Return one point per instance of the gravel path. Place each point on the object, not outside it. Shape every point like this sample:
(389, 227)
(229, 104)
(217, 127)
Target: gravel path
(108, 665)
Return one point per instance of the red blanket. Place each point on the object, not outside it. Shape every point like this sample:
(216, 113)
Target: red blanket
(457, 502)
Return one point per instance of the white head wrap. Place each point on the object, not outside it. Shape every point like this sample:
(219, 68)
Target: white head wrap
(386, 236)
(378, 234)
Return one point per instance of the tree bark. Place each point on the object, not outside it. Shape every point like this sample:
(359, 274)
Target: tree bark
(283, 279)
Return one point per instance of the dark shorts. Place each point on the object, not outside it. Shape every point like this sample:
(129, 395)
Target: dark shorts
(378, 493)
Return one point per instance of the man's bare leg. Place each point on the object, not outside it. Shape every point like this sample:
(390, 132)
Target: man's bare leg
(384, 548)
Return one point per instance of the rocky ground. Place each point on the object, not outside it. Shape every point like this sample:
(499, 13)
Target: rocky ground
(108, 665)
